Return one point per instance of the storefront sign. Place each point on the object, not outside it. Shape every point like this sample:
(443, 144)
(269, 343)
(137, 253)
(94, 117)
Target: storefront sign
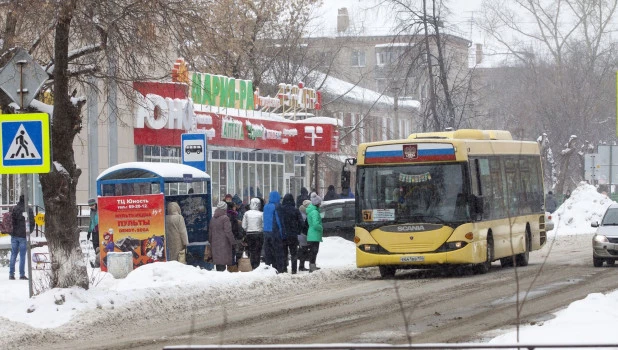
(164, 114)
(221, 91)
(133, 224)
(299, 97)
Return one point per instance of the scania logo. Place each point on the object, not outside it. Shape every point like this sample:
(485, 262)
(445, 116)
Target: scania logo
(410, 228)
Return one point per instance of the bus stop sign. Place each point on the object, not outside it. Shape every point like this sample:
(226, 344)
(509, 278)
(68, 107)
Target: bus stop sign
(193, 148)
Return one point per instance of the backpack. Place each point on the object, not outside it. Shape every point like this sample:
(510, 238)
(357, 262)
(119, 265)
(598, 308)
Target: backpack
(7, 222)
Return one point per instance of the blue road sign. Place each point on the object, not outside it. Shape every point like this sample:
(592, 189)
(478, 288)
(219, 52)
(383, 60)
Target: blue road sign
(24, 140)
(193, 147)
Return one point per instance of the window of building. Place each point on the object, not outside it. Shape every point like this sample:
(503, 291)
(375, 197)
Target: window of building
(358, 58)
(384, 58)
(158, 154)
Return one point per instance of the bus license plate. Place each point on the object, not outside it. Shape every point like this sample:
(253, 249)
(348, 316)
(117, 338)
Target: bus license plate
(412, 258)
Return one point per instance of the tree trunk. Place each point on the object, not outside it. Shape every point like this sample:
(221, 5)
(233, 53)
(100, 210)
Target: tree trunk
(432, 89)
(450, 109)
(564, 166)
(60, 185)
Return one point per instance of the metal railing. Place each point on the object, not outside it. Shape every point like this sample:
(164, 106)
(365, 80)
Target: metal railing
(39, 231)
(529, 346)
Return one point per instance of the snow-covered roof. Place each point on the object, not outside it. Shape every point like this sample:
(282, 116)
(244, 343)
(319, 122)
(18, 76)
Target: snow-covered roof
(169, 171)
(349, 91)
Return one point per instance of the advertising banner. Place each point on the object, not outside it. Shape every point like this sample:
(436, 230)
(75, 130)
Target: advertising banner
(165, 111)
(133, 224)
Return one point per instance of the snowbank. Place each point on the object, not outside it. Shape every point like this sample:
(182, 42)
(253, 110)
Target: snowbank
(575, 215)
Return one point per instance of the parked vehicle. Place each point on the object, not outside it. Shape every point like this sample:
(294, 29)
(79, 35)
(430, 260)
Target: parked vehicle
(605, 240)
(549, 222)
(338, 218)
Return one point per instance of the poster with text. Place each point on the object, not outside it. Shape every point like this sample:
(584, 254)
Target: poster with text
(133, 224)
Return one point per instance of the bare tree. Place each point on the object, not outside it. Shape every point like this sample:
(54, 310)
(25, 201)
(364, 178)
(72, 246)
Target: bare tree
(435, 58)
(75, 40)
(565, 62)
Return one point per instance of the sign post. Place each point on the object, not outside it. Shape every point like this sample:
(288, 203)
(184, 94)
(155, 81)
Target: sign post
(26, 149)
(24, 138)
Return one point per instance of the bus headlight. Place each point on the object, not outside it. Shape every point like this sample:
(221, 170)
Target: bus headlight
(448, 246)
(372, 248)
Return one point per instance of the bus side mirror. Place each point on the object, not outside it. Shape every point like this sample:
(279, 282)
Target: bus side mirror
(477, 204)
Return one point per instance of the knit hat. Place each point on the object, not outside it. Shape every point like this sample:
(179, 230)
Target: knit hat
(92, 201)
(315, 199)
(222, 205)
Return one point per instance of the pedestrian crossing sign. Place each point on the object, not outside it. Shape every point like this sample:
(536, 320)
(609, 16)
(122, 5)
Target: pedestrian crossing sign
(24, 139)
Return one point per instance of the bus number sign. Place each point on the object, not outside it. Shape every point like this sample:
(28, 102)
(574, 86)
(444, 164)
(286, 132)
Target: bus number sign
(379, 215)
(367, 215)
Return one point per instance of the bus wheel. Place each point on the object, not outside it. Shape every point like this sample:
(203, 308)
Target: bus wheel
(522, 259)
(484, 267)
(387, 271)
(506, 262)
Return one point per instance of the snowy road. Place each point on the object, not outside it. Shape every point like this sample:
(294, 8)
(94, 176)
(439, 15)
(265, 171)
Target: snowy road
(348, 306)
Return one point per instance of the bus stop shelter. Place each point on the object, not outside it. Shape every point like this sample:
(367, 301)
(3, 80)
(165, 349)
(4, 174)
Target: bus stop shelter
(132, 201)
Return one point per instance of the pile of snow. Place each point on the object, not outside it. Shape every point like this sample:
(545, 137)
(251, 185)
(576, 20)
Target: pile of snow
(588, 321)
(574, 216)
(168, 281)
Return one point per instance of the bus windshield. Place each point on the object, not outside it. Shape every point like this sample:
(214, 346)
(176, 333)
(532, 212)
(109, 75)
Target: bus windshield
(411, 193)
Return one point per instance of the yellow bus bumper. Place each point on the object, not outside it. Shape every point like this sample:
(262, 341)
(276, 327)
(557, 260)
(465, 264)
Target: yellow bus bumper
(472, 253)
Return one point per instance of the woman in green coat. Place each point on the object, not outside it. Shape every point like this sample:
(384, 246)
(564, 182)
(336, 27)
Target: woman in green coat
(314, 233)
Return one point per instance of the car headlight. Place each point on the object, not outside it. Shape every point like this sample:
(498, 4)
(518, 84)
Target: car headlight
(600, 239)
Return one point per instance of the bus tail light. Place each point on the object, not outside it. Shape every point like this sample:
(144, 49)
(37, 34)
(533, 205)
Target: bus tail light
(469, 236)
(356, 239)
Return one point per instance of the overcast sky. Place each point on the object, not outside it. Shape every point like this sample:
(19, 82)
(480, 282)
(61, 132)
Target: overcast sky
(377, 18)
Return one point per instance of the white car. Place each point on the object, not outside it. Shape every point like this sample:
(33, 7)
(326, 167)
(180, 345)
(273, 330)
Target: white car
(605, 240)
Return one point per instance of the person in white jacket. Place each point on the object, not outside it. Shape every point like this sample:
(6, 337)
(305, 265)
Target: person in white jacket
(252, 223)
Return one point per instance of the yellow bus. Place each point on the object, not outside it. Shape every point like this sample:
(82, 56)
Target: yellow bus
(464, 197)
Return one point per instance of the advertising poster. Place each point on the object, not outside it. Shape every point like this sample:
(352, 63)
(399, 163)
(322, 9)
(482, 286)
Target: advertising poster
(133, 224)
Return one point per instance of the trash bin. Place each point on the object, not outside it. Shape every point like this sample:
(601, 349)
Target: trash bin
(119, 264)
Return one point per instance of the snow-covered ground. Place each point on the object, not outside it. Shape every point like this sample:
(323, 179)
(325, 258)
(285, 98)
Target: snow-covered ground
(590, 320)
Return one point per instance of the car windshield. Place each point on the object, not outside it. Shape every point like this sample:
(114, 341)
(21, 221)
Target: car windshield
(413, 193)
(611, 217)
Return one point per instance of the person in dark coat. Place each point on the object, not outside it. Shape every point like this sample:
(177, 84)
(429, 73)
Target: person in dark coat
(550, 202)
(304, 195)
(331, 194)
(292, 222)
(221, 238)
(18, 238)
(303, 249)
(237, 230)
(273, 244)
(240, 207)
